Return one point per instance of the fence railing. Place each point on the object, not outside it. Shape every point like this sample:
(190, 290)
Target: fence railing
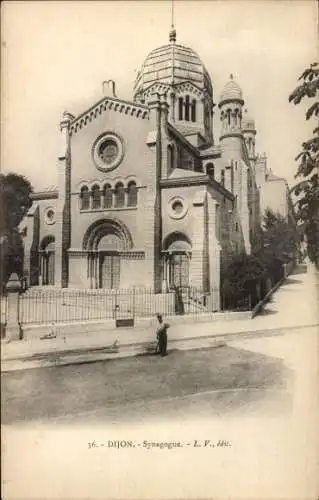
(51, 305)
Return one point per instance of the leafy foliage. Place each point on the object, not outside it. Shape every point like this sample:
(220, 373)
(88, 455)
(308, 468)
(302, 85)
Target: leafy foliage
(280, 237)
(15, 200)
(308, 167)
(241, 277)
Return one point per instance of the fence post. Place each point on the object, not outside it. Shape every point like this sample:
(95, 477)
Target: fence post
(13, 327)
(133, 302)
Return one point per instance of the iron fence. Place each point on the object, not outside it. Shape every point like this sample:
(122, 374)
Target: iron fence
(51, 305)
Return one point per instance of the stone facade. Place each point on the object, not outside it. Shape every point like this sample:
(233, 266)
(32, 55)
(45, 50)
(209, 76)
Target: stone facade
(145, 198)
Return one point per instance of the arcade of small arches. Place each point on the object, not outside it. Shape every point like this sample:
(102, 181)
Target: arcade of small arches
(106, 197)
(187, 109)
(231, 117)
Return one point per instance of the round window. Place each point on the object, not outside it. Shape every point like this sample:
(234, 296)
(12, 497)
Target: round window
(107, 152)
(177, 208)
(50, 216)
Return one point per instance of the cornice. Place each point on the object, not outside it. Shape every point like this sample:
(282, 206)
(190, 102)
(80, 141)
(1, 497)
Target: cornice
(196, 180)
(232, 134)
(111, 103)
(230, 100)
(44, 195)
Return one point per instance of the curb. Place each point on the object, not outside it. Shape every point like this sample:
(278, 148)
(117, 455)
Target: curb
(96, 354)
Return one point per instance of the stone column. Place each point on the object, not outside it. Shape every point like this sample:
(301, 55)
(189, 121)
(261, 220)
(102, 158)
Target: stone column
(63, 222)
(165, 271)
(150, 202)
(13, 327)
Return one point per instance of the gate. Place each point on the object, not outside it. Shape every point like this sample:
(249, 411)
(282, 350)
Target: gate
(179, 270)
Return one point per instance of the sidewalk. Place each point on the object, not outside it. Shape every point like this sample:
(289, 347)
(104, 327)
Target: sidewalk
(293, 305)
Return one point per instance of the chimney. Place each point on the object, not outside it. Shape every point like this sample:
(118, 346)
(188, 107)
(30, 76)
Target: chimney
(108, 88)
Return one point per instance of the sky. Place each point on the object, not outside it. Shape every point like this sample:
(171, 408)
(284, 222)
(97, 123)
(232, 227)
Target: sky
(55, 56)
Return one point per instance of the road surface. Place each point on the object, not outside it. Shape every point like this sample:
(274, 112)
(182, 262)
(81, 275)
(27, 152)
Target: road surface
(235, 376)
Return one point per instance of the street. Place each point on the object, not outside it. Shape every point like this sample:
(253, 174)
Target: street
(234, 376)
(257, 394)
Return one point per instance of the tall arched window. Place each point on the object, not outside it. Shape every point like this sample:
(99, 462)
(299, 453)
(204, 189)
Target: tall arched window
(228, 113)
(180, 108)
(193, 111)
(85, 198)
(96, 196)
(170, 157)
(222, 177)
(210, 170)
(119, 195)
(236, 114)
(132, 194)
(107, 196)
(187, 105)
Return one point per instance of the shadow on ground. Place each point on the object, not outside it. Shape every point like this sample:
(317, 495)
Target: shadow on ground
(267, 312)
(290, 281)
(51, 393)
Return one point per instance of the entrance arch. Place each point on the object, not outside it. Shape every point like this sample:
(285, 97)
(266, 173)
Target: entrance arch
(176, 259)
(47, 260)
(104, 241)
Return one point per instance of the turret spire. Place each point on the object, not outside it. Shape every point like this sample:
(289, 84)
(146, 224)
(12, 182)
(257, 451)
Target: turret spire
(172, 33)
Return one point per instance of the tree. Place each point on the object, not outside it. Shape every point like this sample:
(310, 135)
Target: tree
(15, 201)
(280, 237)
(241, 279)
(308, 169)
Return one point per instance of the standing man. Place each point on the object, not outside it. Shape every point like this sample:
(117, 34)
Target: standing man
(161, 335)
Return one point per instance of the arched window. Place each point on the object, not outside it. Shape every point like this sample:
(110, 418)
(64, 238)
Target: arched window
(96, 196)
(170, 157)
(85, 198)
(228, 113)
(132, 194)
(187, 108)
(236, 114)
(180, 108)
(107, 196)
(119, 195)
(222, 177)
(193, 110)
(210, 170)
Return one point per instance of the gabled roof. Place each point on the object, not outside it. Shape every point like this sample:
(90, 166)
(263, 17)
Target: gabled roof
(182, 139)
(109, 103)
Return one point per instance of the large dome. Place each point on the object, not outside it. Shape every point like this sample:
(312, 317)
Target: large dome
(172, 64)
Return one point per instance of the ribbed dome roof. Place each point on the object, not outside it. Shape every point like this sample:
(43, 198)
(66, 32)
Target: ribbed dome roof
(247, 123)
(231, 91)
(172, 64)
